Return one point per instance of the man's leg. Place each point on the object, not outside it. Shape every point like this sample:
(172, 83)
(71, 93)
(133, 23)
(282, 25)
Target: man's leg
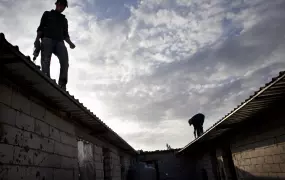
(46, 53)
(200, 131)
(62, 54)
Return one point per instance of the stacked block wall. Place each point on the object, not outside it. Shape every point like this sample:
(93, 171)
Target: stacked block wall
(205, 163)
(112, 165)
(259, 152)
(98, 158)
(34, 143)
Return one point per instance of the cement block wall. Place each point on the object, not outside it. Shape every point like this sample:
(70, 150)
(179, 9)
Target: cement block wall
(256, 150)
(205, 162)
(98, 159)
(112, 165)
(260, 152)
(34, 143)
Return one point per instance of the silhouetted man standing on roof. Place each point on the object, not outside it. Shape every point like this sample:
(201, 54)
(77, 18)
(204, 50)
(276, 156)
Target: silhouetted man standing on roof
(197, 121)
(53, 31)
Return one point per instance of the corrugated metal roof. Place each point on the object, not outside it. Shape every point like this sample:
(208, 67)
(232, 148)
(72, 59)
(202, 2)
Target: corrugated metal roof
(22, 71)
(160, 151)
(262, 99)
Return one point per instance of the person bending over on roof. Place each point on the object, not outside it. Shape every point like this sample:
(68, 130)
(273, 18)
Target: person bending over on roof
(197, 121)
(53, 31)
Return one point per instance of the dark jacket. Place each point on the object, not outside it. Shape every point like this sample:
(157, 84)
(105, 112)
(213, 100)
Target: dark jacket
(54, 25)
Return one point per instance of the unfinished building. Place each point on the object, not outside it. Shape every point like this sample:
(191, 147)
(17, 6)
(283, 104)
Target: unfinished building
(47, 134)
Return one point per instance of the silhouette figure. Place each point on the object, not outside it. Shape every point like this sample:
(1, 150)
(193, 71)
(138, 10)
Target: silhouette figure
(197, 121)
(53, 31)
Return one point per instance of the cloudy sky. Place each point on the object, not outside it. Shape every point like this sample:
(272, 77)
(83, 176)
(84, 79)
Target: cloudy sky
(145, 67)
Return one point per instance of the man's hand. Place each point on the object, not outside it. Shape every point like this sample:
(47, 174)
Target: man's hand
(71, 45)
(37, 43)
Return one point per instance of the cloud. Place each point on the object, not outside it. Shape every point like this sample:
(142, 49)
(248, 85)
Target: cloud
(146, 67)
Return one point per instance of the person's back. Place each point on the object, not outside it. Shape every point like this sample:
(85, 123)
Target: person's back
(197, 121)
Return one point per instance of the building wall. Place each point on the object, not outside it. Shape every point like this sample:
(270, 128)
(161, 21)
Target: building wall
(170, 166)
(260, 151)
(205, 162)
(112, 165)
(255, 151)
(36, 142)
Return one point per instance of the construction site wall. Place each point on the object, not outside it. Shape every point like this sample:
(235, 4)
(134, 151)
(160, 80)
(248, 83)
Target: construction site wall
(256, 150)
(259, 150)
(37, 142)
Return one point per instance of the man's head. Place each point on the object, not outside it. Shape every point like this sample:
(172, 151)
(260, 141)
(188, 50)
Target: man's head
(61, 5)
(190, 122)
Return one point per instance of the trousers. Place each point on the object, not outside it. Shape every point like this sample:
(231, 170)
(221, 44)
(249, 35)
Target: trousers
(58, 48)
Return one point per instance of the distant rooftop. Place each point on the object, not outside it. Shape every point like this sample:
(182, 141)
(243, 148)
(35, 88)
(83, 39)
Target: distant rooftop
(271, 93)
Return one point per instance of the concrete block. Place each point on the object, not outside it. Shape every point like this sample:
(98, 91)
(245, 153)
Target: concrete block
(268, 159)
(59, 123)
(266, 168)
(5, 95)
(258, 168)
(282, 167)
(98, 150)
(54, 134)
(41, 128)
(99, 173)
(44, 174)
(277, 149)
(260, 160)
(46, 160)
(21, 103)
(277, 159)
(99, 166)
(25, 122)
(6, 153)
(60, 174)
(31, 140)
(259, 152)
(26, 139)
(7, 115)
(68, 139)
(31, 173)
(23, 156)
(17, 172)
(65, 150)
(47, 145)
(68, 163)
(50, 118)
(11, 135)
(275, 168)
(4, 169)
(98, 158)
(254, 161)
(37, 111)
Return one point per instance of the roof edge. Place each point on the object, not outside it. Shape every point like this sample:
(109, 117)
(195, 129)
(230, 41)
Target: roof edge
(255, 95)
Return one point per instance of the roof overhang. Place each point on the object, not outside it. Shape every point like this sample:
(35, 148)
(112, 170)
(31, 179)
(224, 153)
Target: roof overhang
(20, 70)
(262, 100)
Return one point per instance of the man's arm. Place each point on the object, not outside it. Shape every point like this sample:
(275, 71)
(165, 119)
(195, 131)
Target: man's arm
(41, 29)
(66, 35)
